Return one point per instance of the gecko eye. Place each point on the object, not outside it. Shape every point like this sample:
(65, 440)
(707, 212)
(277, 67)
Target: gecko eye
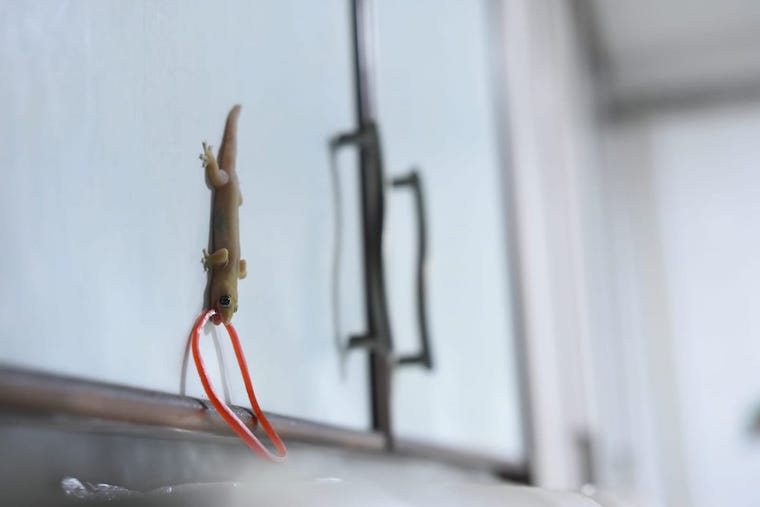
(225, 301)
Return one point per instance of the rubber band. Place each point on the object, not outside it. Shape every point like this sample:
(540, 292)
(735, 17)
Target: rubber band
(227, 414)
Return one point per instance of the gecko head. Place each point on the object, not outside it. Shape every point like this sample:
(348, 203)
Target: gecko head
(225, 303)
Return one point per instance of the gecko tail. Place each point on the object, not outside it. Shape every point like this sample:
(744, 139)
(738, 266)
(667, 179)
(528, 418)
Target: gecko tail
(228, 149)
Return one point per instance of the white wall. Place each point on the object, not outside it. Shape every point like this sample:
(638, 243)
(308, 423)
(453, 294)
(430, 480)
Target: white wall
(640, 448)
(682, 189)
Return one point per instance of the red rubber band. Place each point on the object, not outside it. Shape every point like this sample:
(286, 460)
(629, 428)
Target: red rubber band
(227, 414)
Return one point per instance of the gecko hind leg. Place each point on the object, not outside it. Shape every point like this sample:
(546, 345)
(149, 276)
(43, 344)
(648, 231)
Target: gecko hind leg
(242, 269)
(218, 258)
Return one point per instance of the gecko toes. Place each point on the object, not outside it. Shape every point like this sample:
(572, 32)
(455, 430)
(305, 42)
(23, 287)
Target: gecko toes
(207, 154)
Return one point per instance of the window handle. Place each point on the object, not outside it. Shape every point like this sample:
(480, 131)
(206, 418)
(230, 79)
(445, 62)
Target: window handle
(366, 139)
(423, 357)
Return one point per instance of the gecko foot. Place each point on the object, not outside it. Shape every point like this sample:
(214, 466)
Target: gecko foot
(204, 260)
(207, 156)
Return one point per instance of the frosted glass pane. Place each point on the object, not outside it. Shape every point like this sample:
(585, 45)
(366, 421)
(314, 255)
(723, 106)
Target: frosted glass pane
(436, 112)
(105, 211)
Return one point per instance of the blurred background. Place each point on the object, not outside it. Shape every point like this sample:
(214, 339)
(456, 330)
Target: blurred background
(583, 313)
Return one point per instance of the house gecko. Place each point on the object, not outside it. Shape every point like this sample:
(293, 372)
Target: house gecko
(224, 263)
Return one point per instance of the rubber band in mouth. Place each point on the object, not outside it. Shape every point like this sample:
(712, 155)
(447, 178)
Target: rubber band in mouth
(237, 425)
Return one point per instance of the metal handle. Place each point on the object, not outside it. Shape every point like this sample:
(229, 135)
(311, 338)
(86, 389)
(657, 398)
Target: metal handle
(377, 337)
(423, 357)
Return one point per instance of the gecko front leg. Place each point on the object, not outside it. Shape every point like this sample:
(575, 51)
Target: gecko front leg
(216, 176)
(216, 259)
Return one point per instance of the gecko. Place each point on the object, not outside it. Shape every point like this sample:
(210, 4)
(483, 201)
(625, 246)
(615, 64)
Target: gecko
(224, 262)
